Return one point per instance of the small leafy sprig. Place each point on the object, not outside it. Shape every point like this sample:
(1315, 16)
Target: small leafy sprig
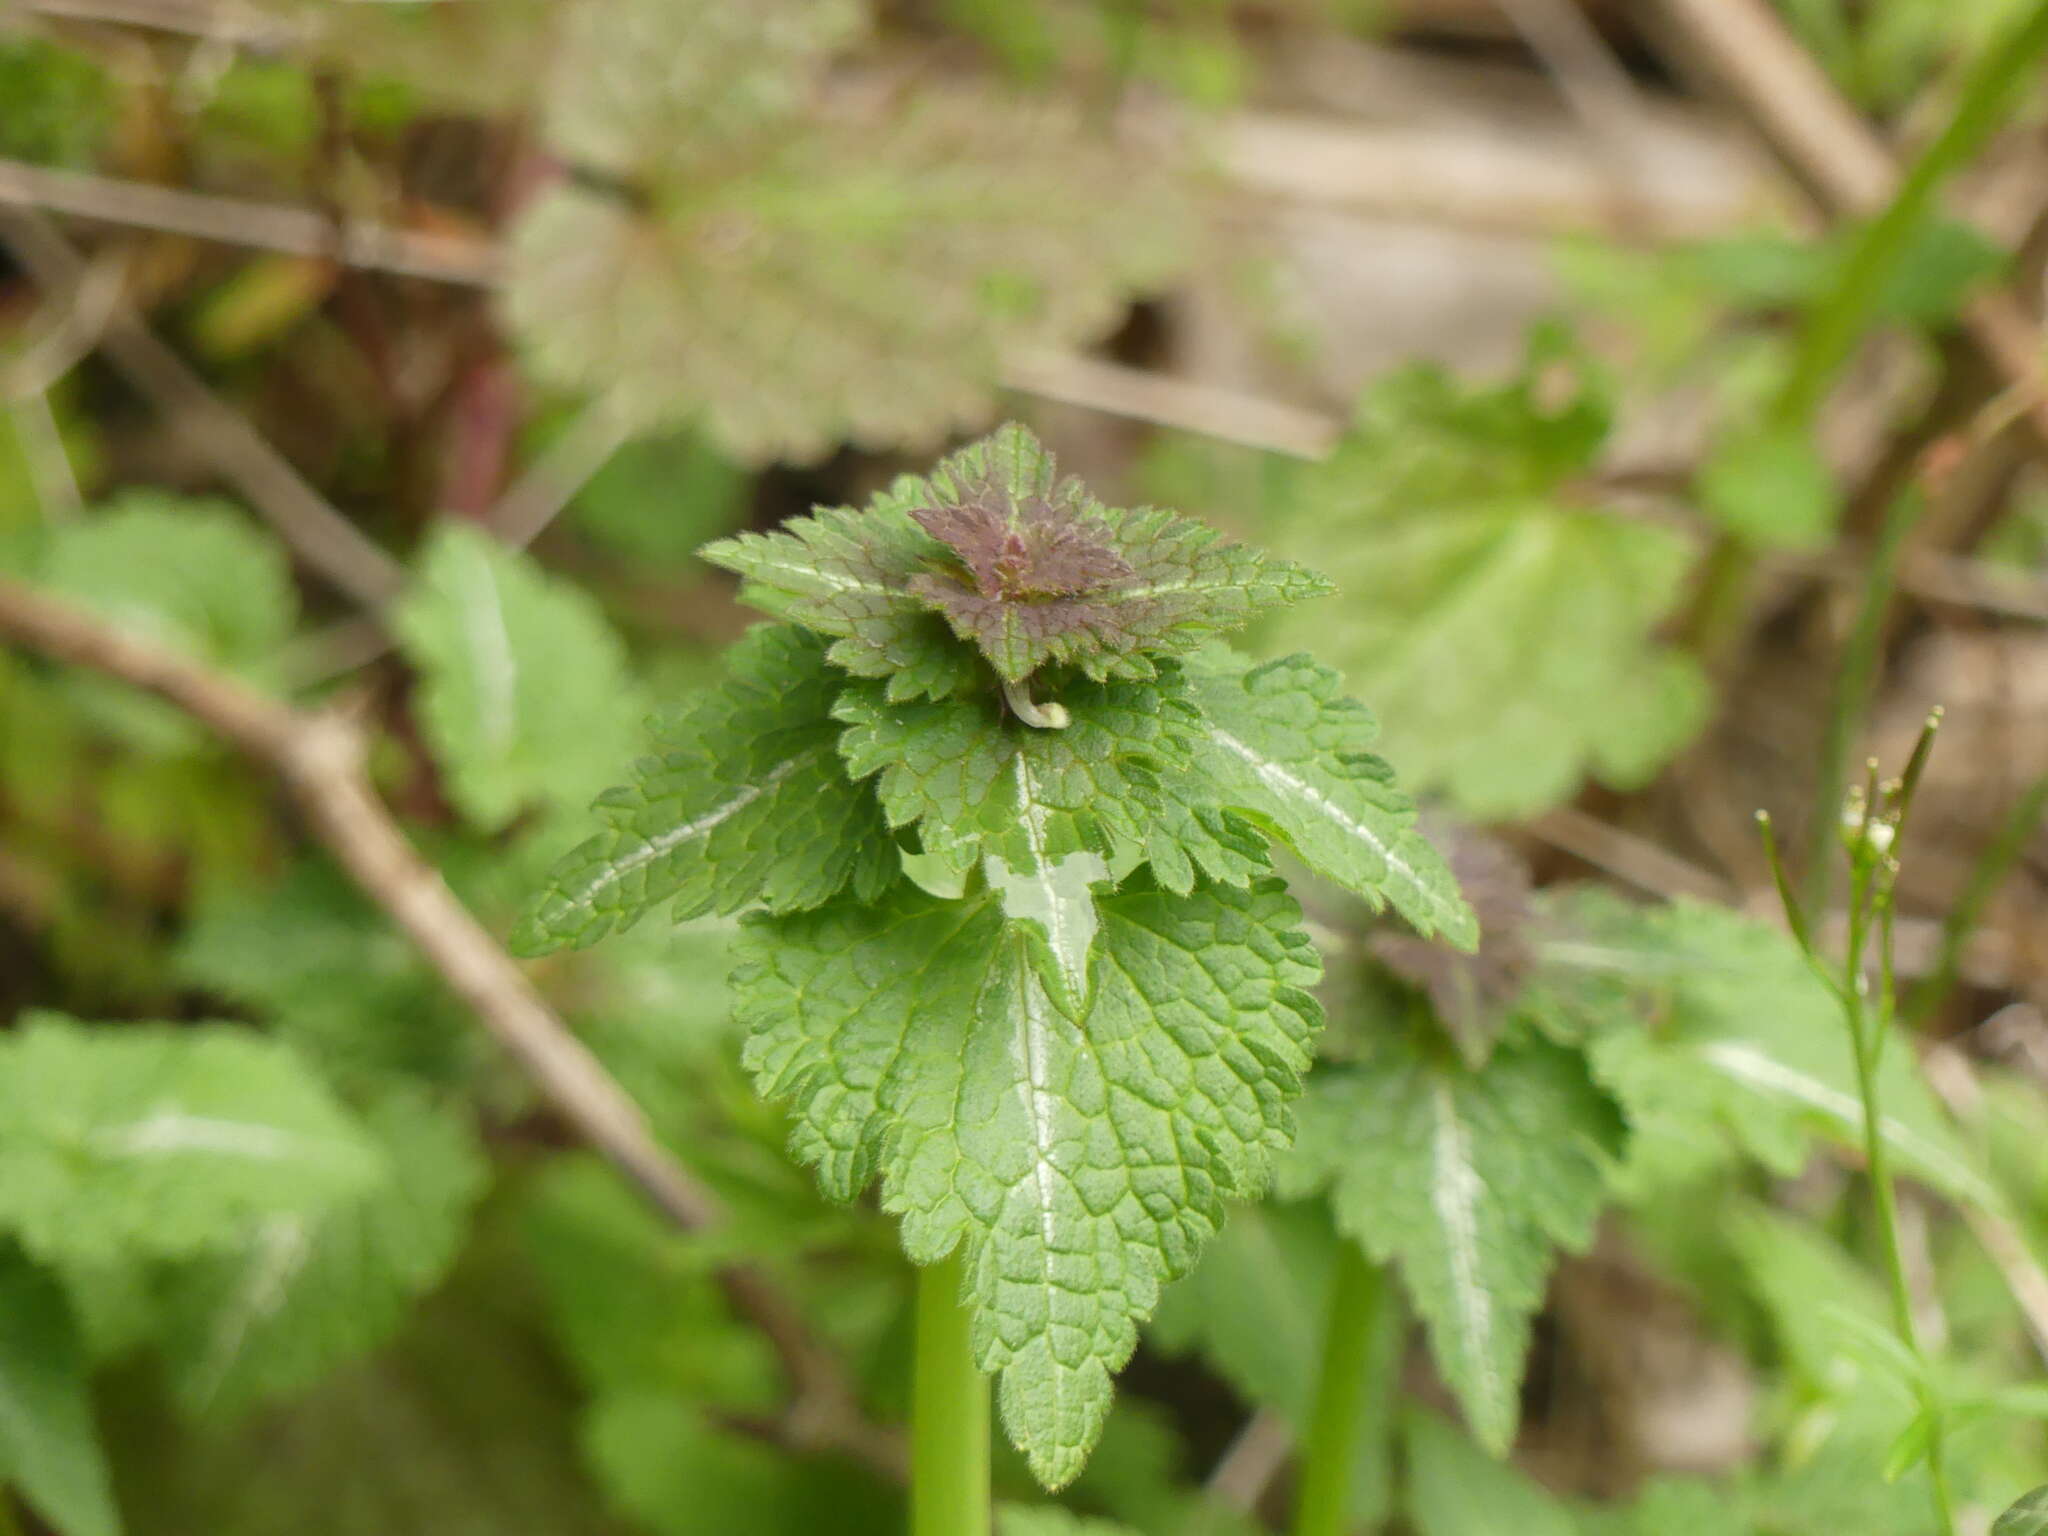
(1076, 1031)
(1873, 825)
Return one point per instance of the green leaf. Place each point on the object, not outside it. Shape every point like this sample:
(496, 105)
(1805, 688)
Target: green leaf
(747, 803)
(1468, 1181)
(49, 1444)
(1038, 808)
(1455, 1489)
(670, 87)
(191, 574)
(1025, 566)
(304, 1293)
(859, 275)
(1677, 1507)
(679, 1476)
(310, 957)
(658, 499)
(1081, 1164)
(462, 1427)
(2028, 1516)
(1771, 489)
(634, 1304)
(1500, 627)
(161, 1140)
(1051, 1520)
(525, 698)
(1290, 752)
(1713, 1033)
(1255, 1309)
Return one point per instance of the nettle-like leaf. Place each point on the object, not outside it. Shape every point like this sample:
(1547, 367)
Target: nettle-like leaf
(49, 1445)
(1022, 564)
(645, 88)
(525, 697)
(1468, 1181)
(746, 803)
(858, 275)
(1080, 1165)
(1711, 1030)
(1289, 751)
(305, 1292)
(155, 1141)
(1501, 627)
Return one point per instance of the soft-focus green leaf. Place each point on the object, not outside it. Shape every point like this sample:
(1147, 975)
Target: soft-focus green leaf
(304, 1293)
(1081, 1164)
(191, 574)
(462, 1427)
(670, 87)
(1468, 1181)
(163, 1140)
(1500, 627)
(1051, 1520)
(525, 698)
(1456, 1489)
(328, 971)
(679, 1476)
(1770, 489)
(1255, 1307)
(860, 276)
(1713, 1033)
(49, 1444)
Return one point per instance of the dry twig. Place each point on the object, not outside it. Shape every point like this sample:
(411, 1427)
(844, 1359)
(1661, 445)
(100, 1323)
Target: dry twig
(320, 759)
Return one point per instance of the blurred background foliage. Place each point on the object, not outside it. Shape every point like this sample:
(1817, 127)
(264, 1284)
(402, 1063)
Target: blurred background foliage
(1490, 311)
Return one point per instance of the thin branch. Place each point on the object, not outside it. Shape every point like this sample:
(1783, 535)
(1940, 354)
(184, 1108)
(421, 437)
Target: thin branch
(327, 541)
(73, 326)
(249, 222)
(320, 758)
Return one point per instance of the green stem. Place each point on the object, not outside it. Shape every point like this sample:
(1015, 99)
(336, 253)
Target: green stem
(1852, 694)
(1867, 1033)
(949, 1420)
(1968, 911)
(1356, 1294)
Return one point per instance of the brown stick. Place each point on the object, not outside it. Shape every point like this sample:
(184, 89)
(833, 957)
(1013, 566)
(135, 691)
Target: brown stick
(320, 759)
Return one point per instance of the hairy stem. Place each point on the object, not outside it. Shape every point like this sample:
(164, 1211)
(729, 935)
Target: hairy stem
(1356, 1295)
(949, 1417)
